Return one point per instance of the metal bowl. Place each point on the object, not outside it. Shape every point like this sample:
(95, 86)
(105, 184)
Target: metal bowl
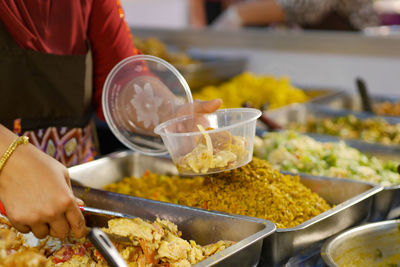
(374, 244)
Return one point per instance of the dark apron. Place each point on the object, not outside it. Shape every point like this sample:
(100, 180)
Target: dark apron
(43, 89)
(48, 98)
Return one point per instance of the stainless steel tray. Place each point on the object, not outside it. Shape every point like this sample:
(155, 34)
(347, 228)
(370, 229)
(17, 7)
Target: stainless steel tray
(300, 112)
(382, 238)
(211, 70)
(202, 226)
(351, 101)
(353, 200)
(319, 94)
(196, 224)
(387, 202)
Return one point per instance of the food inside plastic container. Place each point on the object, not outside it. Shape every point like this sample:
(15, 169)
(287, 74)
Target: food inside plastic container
(218, 150)
(210, 143)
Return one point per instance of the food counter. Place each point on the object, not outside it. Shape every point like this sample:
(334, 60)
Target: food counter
(311, 199)
(300, 189)
(351, 206)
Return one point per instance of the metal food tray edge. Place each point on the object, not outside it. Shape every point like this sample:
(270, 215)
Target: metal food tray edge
(212, 70)
(385, 206)
(246, 252)
(282, 244)
(382, 227)
(295, 239)
(352, 101)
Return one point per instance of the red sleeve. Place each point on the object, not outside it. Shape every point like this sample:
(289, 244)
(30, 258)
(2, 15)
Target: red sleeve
(111, 41)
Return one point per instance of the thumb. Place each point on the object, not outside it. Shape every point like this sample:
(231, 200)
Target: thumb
(207, 106)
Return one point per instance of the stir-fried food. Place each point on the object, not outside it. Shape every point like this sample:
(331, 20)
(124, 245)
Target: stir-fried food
(152, 244)
(293, 152)
(258, 91)
(214, 152)
(374, 130)
(153, 46)
(255, 189)
(388, 108)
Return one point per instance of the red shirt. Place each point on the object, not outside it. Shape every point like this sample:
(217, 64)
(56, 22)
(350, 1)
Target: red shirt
(63, 27)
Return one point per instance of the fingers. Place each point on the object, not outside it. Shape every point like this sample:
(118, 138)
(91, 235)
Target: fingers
(40, 230)
(22, 228)
(79, 201)
(59, 227)
(76, 221)
(207, 106)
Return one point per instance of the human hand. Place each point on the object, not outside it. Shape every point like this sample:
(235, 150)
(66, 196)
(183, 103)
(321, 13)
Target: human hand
(187, 120)
(36, 193)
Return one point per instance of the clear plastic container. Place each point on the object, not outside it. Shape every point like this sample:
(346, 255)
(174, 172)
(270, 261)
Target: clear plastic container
(202, 144)
(141, 92)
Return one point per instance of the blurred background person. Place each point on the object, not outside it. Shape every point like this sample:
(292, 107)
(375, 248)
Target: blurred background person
(204, 12)
(308, 14)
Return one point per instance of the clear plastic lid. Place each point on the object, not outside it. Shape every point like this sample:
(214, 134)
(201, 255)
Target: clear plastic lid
(141, 92)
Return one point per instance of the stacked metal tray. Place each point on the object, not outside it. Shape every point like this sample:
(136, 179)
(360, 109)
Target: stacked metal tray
(299, 113)
(353, 202)
(211, 70)
(320, 95)
(350, 101)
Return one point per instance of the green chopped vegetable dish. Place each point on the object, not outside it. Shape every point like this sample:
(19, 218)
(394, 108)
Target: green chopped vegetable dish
(293, 152)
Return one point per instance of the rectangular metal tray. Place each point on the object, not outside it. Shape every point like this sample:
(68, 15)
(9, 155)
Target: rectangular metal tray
(320, 94)
(387, 202)
(353, 201)
(299, 113)
(351, 101)
(195, 224)
(211, 70)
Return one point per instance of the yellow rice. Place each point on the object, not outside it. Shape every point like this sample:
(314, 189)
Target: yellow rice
(255, 190)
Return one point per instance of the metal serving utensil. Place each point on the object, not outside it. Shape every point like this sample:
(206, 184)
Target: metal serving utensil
(106, 248)
(96, 218)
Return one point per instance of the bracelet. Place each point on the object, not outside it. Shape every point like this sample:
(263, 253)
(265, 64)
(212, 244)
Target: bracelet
(18, 141)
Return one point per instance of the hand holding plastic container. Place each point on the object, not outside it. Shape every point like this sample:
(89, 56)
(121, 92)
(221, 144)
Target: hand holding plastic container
(145, 97)
(210, 143)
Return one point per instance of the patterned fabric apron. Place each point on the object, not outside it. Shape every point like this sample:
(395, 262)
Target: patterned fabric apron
(48, 98)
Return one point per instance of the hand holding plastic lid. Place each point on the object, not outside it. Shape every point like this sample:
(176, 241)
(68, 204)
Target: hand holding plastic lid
(145, 97)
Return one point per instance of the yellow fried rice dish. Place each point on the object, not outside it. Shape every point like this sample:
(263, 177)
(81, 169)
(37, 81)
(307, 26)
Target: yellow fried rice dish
(255, 189)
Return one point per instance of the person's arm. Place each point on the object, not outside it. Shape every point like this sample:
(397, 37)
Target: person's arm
(260, 12)
(197, 14)
(36, 192)
(250, 13)
(111, 42)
